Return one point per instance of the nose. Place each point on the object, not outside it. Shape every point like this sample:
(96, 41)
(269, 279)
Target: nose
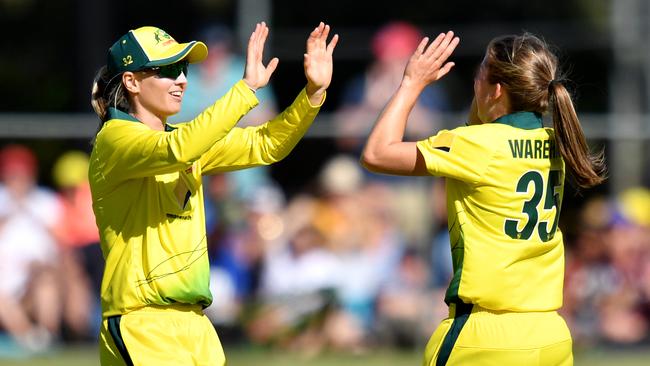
(181, 79)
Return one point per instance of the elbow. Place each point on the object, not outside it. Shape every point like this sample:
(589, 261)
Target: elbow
(185, 158)
(370, 161)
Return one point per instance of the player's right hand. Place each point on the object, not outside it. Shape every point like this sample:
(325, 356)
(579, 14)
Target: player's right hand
(429, 63)
(256, 75)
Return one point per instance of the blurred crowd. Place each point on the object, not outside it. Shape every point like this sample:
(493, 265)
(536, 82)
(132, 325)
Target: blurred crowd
(353, 262)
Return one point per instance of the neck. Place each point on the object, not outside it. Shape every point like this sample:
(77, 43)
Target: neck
(497, 112)
(150, 119)
(499, 108)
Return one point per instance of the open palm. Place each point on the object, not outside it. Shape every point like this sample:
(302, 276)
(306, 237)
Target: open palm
(429, 63)
(256, 75)
(318, 62)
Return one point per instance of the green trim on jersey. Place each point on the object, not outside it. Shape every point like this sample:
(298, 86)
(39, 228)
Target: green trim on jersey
(457, 250)
(114, 113)
(525, 120)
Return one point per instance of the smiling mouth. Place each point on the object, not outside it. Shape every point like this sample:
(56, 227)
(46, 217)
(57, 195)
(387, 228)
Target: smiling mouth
(177, 94)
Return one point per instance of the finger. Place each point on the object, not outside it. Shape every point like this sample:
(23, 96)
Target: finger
(332, 44)
(434, 47)
(256, 32)
(315, 33)
(449, 50)
(251, 44)
(325, 32)
(263, 37)
(445, 69)
(254, 37)
(264, 32)
(273, 64)
(436, 42)
(443, 45)
(313, 38)
(421, 46)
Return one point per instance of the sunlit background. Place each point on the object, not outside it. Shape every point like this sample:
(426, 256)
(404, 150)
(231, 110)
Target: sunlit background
(315, 261)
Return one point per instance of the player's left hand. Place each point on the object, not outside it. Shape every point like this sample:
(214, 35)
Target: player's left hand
(256, 75)
(429, 64)
(318, 62)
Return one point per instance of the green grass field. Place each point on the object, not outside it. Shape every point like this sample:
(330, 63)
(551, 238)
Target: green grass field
(250, 356)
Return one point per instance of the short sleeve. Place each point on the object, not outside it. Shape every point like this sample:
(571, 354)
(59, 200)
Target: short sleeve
(460, 154)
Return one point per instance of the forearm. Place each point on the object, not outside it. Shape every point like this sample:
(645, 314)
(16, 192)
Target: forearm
(389, 129)
(264, 144)
(282, 133)
(216, 121)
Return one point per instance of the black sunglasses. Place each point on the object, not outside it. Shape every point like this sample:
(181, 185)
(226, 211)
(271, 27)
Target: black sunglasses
(172, 71)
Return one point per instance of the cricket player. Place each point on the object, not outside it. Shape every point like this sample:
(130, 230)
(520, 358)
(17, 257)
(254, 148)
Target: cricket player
(505, 176)
(145, 177)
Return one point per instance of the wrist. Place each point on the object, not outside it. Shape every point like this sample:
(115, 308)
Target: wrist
(408, 83)
(312, 90)
(315, 96)
(248, 84)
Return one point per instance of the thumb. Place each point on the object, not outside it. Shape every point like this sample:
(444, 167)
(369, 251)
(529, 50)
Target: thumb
(273, 64)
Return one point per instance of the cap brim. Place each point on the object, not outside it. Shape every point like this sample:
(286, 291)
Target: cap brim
(193, 52)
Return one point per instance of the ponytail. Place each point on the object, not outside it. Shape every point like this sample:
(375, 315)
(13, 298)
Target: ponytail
(587, 169)
(107, 92)
(528, 70)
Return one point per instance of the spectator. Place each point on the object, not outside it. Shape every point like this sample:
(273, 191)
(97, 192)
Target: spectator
(296, 295)
(623, 314)
(404, 303)
(30, 297)
(590, 278)
(81, 255)
(357, 218)
(367, 94)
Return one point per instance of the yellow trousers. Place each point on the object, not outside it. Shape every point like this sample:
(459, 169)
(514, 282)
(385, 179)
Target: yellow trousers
(476, 336)
(160, 335)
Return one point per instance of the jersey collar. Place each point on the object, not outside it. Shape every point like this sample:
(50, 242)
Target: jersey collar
(524, 120)
(114, 113)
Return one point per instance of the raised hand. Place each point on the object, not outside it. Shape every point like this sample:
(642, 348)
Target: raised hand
(256, 75)
(318, 62)
(429, 64)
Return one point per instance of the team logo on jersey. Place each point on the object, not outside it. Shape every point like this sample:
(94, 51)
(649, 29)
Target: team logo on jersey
(128, 60)
(162, 36)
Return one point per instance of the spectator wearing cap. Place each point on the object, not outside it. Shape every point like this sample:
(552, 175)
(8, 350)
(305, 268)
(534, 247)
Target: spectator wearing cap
(81, 255)
(29, 292)
(366, 94)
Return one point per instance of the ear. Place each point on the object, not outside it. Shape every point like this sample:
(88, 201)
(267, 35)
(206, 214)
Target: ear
(130, 82)
(498, 91)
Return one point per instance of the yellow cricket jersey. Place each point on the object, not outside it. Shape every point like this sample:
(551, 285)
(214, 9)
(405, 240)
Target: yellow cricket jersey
(505, 183)
(148, 198)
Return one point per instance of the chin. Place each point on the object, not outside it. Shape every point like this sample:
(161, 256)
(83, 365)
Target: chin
(173, 111)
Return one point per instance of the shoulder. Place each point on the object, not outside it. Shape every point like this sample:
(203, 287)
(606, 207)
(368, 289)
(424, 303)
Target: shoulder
(115, 129)
(483, 134)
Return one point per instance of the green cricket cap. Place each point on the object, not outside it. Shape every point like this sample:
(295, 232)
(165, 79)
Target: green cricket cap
(148, 47)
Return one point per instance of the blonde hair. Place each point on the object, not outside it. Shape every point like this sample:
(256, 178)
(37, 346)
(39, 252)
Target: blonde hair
(108, 92)
(528, 70)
